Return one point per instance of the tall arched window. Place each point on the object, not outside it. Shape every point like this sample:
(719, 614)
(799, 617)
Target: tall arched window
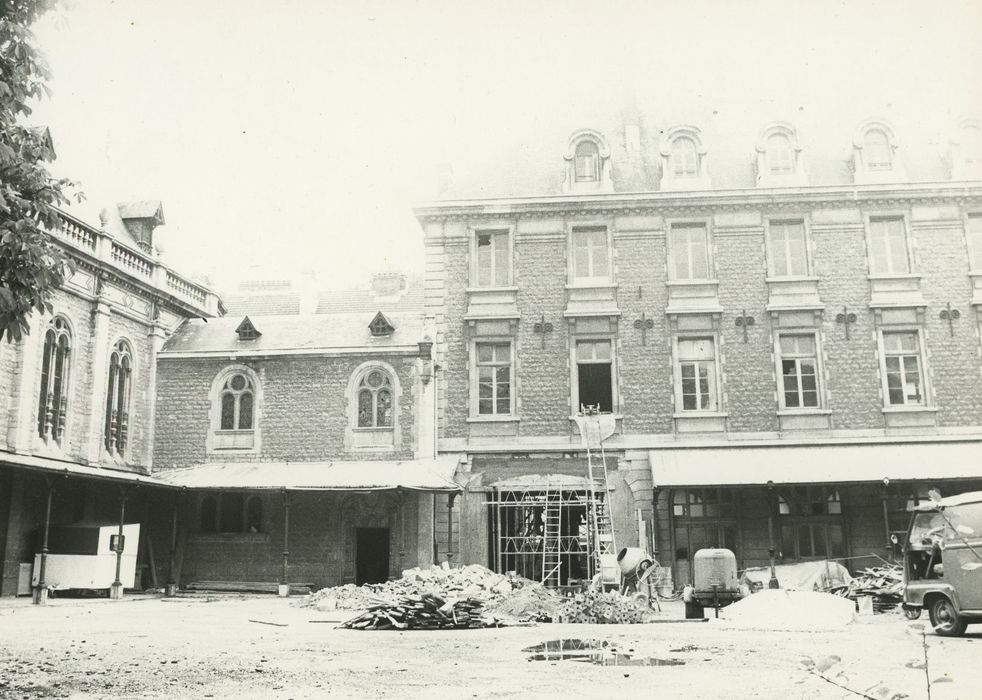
(375, 400)
(685, 157)
(877, 152)
(53, 395)
(587, 161)
(780, 154)
(237, 399)
(118, 398)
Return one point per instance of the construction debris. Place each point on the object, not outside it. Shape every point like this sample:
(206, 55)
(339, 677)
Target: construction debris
(505, 595)
(604, 609)
(421, 612)
(884, 584)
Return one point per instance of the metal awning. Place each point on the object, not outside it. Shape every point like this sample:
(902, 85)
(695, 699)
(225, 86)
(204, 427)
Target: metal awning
(818, 464)
(58, 467)
(365, 475)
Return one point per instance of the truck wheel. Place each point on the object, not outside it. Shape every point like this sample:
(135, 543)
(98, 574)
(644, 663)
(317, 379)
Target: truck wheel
(693, 611)
(945, 619)
(912, 613)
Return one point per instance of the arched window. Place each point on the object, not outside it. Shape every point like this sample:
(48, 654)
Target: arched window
(971, 142)
(118, 398)
(237, 400)
(587, 161)
(877, 152)
(685, 157)
(780, 154)
(53, 395)
(375, 400)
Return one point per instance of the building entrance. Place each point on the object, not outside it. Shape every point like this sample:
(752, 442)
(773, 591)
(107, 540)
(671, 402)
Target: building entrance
(371, 555)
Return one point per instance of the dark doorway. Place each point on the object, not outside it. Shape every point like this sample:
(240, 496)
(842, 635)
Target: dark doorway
(371, 555)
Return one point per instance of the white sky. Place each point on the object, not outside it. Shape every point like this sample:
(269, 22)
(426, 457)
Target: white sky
(293, 135)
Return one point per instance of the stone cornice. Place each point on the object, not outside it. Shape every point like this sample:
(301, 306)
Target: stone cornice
(702, 201)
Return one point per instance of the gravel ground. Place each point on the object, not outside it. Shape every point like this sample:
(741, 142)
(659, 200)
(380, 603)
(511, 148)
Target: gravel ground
(240, 646)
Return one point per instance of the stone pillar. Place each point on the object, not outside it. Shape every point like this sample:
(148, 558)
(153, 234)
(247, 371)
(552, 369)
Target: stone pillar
(21, 427)
(100, 362)
(424, 525)
(157, 336)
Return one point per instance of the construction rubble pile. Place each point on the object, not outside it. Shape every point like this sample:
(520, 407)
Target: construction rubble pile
(427, 611)
(885, 584)
(413, 597)
(604, 609)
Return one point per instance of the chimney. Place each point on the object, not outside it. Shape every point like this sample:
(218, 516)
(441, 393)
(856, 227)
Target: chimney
(388, 284)
(140, 220)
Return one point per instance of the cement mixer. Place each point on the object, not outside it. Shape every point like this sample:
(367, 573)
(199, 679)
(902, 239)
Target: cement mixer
(636, 568)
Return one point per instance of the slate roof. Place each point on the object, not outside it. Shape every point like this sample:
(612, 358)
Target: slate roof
(531, 164)
(262, 304)
(360, 300)
(310, 332)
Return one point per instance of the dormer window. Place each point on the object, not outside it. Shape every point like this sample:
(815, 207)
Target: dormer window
(587, 163)
(779, 156)
(877, 153)
(966, 150)
(683, 160)
(875, 157)
(381, 326)
(246, 330)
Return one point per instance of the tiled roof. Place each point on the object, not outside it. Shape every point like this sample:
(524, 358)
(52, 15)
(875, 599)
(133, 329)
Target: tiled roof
(310, 332)
(531, 163)
(262, 304)
(362, 300)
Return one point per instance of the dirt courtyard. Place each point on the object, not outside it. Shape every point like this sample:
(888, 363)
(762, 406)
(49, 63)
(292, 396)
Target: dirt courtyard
(265, 647)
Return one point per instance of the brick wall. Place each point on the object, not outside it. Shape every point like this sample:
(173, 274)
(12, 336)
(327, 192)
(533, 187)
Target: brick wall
(304, 410)
(454, 401)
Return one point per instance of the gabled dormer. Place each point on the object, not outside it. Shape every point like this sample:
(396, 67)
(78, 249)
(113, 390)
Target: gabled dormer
(381, 325)
(779, 161)
(247, 330)
(141, 219)
(684, 161)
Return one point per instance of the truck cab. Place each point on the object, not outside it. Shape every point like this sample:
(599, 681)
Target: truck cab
(943, 562)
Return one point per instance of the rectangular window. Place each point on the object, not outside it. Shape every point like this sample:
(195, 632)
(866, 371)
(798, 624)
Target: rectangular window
(493, 255)
(799, 371)
(590, 254)
(788, 252)
(494, 379)
(689, 246)
(697, 374)
(594, 374)
(902, 357)
(888, 246)
(974, 232)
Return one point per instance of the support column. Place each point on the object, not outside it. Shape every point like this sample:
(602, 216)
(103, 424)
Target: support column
(450, 500)
(171, 589)
(21, 428)
(41, 590)
(401, 495)
(655, 491)
(284, 587)
(772, 583)
(157, 336)
(116, 590)
(884, 498)
(100, 363)
(424, 530)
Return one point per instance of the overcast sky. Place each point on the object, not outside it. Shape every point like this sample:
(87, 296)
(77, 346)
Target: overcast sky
(293, 135)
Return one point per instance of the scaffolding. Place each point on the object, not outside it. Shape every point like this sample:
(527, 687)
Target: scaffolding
(557, 529)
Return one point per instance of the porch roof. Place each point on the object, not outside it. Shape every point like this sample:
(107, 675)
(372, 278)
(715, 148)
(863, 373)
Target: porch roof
(60, 467)
(365, 475)
(819, 464)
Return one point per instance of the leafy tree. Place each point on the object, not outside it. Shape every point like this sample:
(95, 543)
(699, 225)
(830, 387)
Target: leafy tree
(31, 266)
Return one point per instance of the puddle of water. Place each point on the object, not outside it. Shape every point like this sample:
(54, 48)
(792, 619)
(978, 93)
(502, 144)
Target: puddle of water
(593, 651)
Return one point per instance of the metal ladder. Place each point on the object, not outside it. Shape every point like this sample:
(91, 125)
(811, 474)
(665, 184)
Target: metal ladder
(551, 532)
(603, 544)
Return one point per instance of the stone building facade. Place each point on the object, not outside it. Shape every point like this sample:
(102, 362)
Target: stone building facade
(786, 332)
(77, 393)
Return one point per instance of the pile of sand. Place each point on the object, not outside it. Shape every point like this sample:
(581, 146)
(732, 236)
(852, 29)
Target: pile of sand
(778, 609)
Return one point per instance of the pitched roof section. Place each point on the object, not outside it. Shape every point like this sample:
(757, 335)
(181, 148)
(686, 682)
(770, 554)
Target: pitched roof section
(263, 304)
(364, 301)
(146, 209)
(531, 164)
(306, 333)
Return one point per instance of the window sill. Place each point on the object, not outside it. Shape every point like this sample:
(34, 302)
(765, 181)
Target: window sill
(691, 282)
(791, 278)
(493, 419)
(600, 283)
(700, 414)
(894, 276)
(910, 416)
(374, 429)
(804, 412)
(490, 290)
(910, 409)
